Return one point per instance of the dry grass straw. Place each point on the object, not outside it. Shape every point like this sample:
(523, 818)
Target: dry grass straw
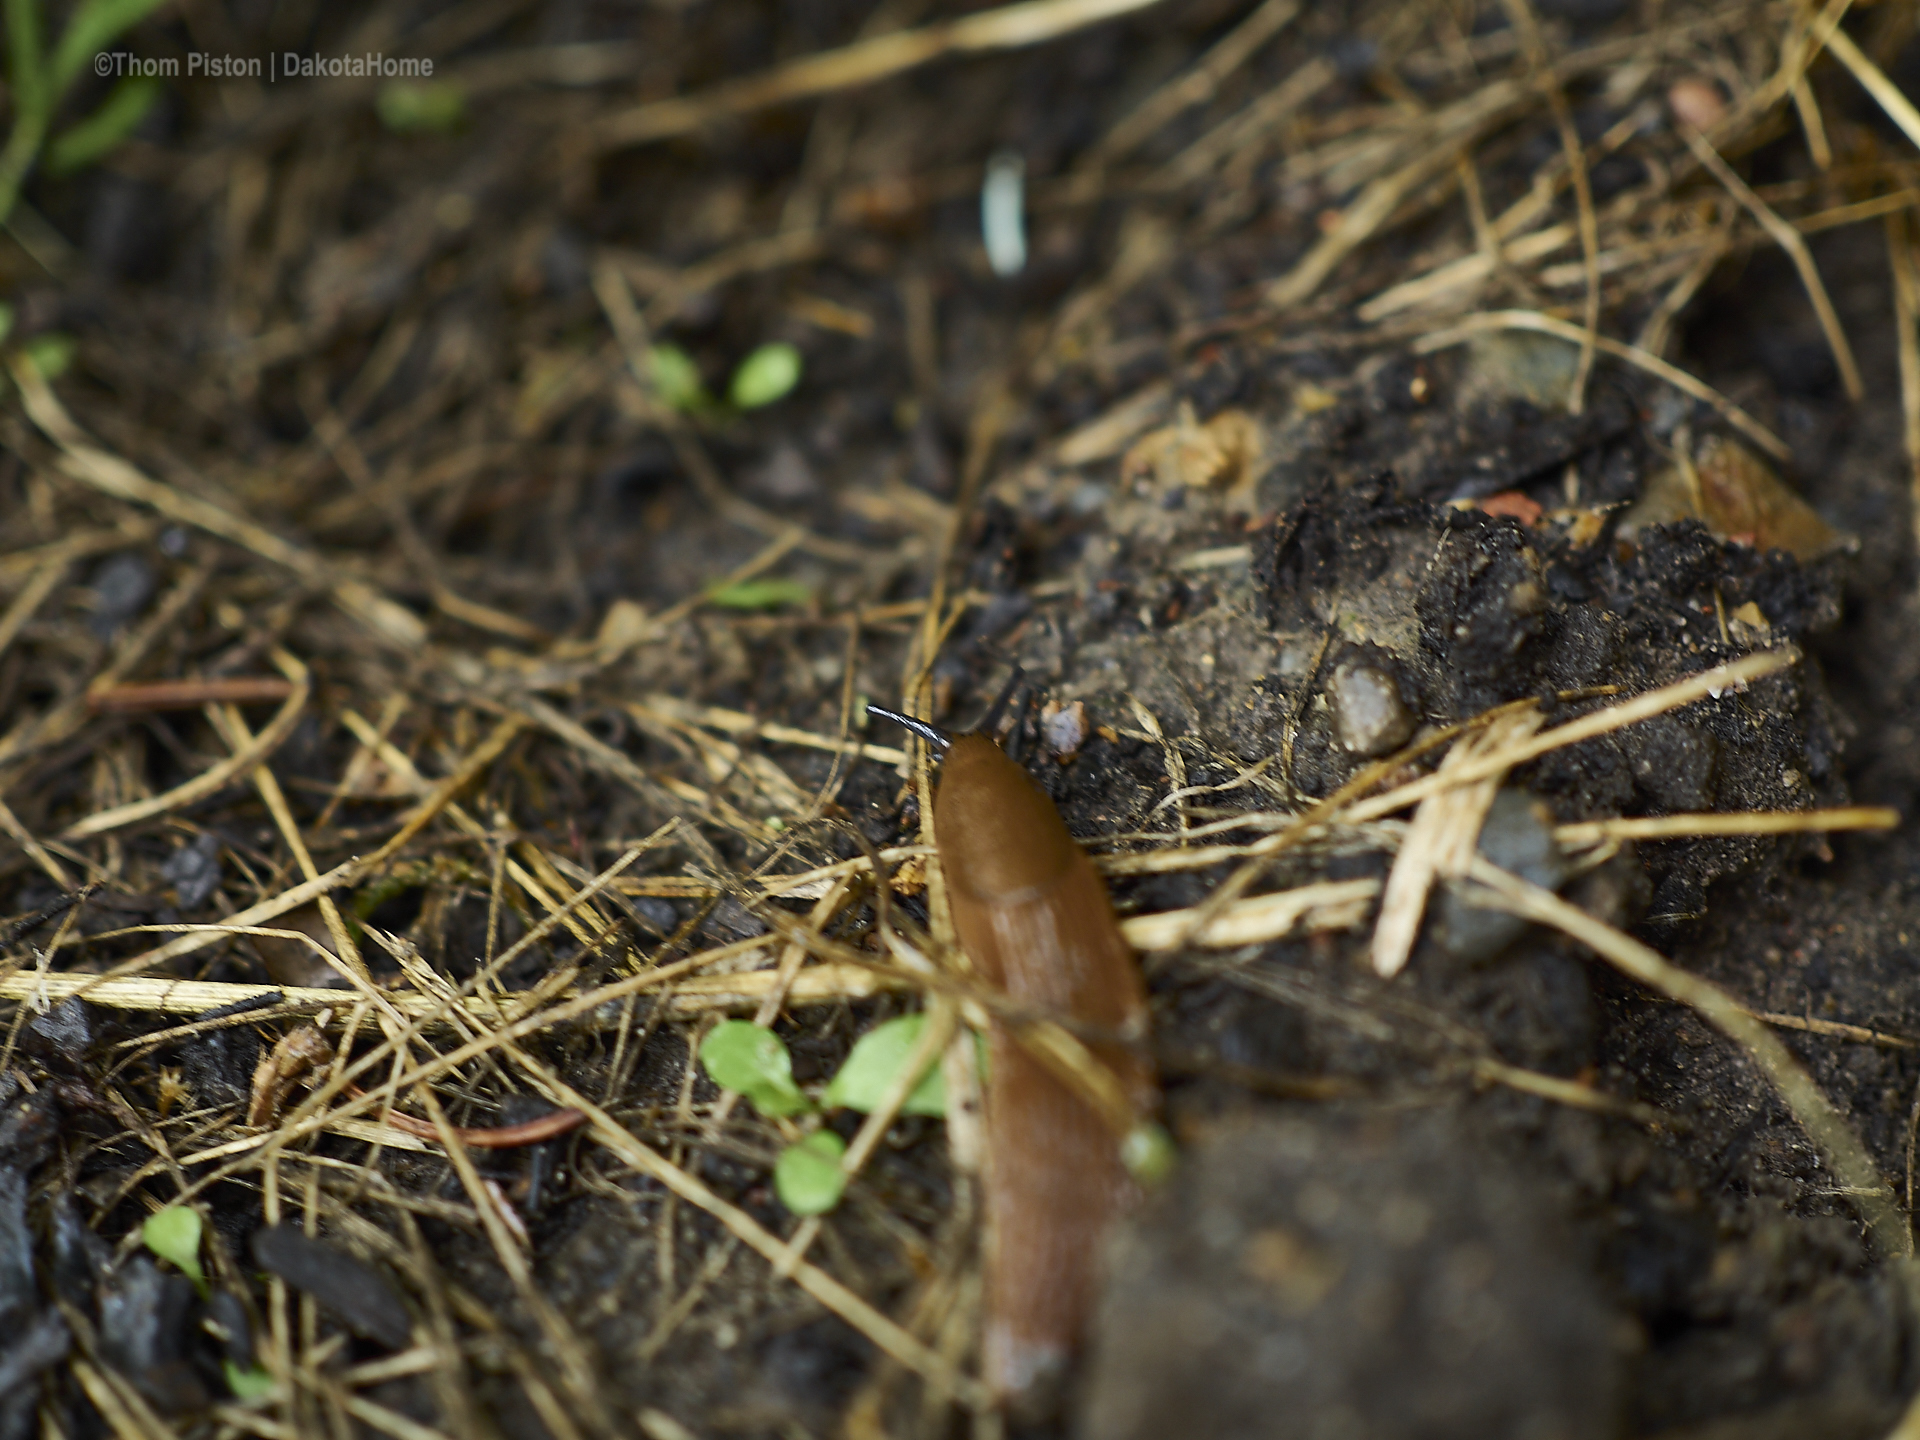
(862, 63)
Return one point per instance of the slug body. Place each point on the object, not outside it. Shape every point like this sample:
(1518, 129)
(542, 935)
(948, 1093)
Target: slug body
(1034, 919)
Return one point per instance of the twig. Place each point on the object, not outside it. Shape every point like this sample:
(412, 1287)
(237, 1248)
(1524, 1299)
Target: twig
(1325, 905)
(215, 777)
(825, 984)
(1836, 1030)
(1889, 96)
(1569, 1092)
(1521, 13)
(156, 695)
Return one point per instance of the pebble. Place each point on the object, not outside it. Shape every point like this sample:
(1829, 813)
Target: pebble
(1518, 837)
(1369, 714)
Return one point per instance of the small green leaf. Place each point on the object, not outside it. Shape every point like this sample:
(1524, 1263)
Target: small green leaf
(421, 107)
(739, 1055)
(174, 1234)
(248, 1384)
(6, 328)
(876, 1059)
(764, 376)
(807, 1176)
(767, 594)
(1148, 1153)
(676, 379)
(93, 138)
(50, 354)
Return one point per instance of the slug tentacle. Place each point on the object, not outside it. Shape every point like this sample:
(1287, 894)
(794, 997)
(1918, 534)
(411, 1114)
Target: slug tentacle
(930, 733)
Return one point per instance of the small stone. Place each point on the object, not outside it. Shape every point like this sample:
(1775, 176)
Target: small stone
(194, 871)
(1369, 714)
(122, 585)
(1518, 837)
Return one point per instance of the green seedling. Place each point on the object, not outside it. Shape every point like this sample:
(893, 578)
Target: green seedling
(676, 380)
(767, 594)
(739, 1055)
(248, 1384)
(877, 1058)
(748, 1058)
(174, 1235)
(421, 107)
(807, 1177)
(767, 375)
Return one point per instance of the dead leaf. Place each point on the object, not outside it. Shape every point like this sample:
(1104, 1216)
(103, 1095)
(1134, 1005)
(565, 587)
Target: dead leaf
(1222, 455)
(298, 1052)
(1739, 498)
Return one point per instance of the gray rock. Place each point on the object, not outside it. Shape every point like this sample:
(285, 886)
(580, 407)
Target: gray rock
(1518, 837)
(1369, 714)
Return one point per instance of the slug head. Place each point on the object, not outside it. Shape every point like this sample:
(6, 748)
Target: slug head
(1000, 836)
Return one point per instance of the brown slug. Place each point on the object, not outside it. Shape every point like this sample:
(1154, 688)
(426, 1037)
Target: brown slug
(1035, 920)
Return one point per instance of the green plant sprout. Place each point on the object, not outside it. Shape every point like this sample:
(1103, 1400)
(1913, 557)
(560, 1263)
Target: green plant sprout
(877, 1057)
(39, 79)
(765, 376)
(768, 374)
(768, 594)
(415, 107)
(676, 380)
(249, 1383)
(807, 1177)
(739, 1055)
(174, 1235)
(1148, 1153)
(49, 354)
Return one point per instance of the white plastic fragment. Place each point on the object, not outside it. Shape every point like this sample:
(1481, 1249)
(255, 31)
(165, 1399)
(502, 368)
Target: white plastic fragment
(1003, 224)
